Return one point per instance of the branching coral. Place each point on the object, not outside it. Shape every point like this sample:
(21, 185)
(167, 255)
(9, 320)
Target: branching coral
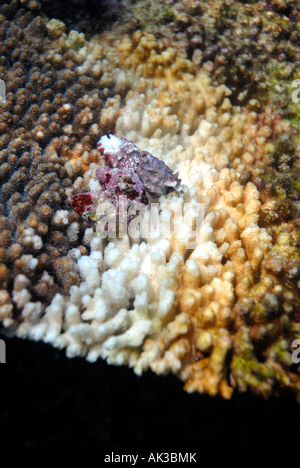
(200, 312)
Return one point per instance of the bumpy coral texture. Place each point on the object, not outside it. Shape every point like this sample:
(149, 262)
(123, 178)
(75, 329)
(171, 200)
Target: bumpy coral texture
(154, 304)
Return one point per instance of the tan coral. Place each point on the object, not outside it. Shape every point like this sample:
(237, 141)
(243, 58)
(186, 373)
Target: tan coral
(207, 375)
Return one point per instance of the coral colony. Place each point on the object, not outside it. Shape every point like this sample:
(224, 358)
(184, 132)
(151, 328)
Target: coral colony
(128, 174)
(222, 315)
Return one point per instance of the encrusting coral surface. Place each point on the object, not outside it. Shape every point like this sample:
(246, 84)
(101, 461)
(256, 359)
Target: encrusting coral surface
(220, 309)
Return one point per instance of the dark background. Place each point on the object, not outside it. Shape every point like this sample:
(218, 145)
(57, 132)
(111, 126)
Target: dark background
(48, 400)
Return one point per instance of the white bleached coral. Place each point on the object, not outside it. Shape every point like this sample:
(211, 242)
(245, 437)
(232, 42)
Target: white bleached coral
(107, 322)
(157, 303)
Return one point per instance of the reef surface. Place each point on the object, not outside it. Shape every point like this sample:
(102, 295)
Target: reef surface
(210, 90)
